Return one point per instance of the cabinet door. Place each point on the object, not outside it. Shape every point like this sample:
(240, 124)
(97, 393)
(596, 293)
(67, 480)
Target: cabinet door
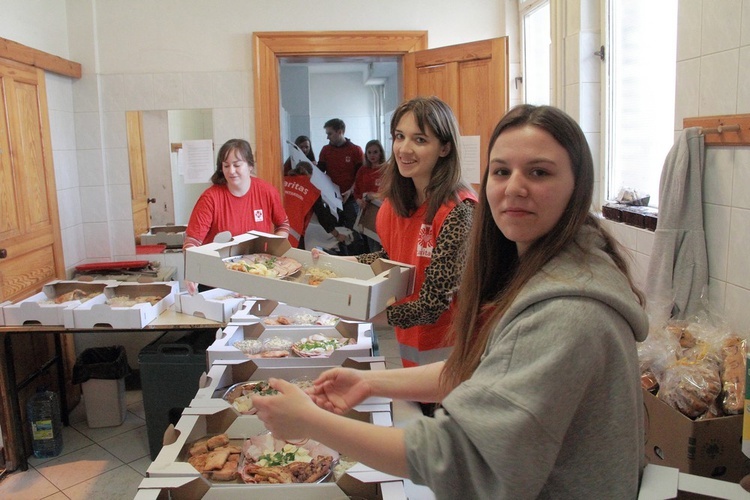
(471, 77)
(29, 223)
(138, 175)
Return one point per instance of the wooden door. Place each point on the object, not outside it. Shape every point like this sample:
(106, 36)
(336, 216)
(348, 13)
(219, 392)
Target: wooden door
(138, 174)
(29, 223)
(471, 77)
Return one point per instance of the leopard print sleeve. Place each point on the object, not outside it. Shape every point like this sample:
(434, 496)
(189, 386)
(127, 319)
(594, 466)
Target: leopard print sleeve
(369, 258)
(442, 275)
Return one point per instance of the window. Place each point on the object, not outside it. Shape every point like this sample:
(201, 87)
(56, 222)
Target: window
(640, 93)
(535, 29)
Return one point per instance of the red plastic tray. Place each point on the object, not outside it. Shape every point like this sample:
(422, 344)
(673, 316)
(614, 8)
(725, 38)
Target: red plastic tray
(100, 266)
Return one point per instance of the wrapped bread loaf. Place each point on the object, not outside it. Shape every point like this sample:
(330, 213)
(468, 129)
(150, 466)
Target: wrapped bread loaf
(691, 388)
(733, 375)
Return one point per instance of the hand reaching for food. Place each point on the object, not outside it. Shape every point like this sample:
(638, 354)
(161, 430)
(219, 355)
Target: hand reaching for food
(340, 389)
(282, 413)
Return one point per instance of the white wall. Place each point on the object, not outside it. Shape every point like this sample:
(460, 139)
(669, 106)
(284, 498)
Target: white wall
(340, 95)
(713, 68)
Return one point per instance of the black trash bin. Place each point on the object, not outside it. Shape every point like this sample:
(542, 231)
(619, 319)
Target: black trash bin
(101, 371)
(171, 368)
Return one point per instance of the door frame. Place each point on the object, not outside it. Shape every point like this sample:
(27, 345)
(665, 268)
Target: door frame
(268, 47)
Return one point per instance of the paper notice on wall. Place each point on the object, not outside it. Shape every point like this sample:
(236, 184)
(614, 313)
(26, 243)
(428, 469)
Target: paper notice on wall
(195, 161)
(470, 158)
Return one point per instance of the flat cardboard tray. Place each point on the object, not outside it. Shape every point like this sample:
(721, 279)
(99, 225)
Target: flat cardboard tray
(34, 311)
(360, 293)
(96, 313)
(223, 348)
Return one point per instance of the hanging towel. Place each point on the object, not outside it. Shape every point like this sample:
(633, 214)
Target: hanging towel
(678, 268)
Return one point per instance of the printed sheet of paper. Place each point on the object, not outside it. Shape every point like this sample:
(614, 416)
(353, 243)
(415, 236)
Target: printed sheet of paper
(470, 158)
(196, 160)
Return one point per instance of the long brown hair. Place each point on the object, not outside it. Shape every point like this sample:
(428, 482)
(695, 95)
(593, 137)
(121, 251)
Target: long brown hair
(244, 151)
(494, 274)
(445, 181)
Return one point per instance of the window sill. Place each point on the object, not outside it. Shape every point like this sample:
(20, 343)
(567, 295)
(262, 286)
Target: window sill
(641, 217)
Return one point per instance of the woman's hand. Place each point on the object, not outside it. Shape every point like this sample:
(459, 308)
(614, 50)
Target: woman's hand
(340, 389)
(284, 414)
(191, 287)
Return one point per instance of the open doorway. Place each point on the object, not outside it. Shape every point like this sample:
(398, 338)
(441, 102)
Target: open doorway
(363, 92)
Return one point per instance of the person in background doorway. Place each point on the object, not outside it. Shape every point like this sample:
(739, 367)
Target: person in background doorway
(304, 144)
(544, 380)
(236, 202)
(367, 185)
(341, 159)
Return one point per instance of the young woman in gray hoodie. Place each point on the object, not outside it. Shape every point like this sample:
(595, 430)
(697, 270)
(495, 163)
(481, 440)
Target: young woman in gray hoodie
(541, 395)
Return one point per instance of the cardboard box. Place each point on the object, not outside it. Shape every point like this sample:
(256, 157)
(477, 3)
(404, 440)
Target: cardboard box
(365, 222)
(2, 314)
(254, 311)
(360, 293)
(216, 304)
(660, 483)
(224, 374)
(359, 481)
(196, 423)
(223, 349)
(172, 236)
(33, 310)
(710, 448)
(96, 313)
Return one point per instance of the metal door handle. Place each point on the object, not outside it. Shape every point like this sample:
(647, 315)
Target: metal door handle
(3, 253)
(151, 200)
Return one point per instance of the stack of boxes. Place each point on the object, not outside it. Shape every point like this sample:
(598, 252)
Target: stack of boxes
(361, 293)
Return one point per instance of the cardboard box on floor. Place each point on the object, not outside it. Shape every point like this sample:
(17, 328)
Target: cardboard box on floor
(223, 349)
(224, 374)
(661, 483)
(710, 448)
(32, 310)
(359, 481)
(96, 313)
(216, 304)
(360, 293)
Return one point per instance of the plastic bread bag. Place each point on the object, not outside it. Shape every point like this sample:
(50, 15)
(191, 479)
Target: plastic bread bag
(690, 387)
(733, 359)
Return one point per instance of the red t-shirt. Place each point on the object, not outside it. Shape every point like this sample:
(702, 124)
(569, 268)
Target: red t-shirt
(341, 163)
(218, 210)
(367, 181)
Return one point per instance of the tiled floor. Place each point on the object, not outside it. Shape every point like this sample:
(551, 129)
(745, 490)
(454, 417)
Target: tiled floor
(110, 462)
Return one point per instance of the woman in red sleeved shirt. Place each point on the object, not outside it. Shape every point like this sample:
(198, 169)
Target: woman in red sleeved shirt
(236, 202)
(367, 184)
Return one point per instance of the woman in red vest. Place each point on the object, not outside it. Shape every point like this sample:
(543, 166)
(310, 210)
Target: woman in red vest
(425, 221)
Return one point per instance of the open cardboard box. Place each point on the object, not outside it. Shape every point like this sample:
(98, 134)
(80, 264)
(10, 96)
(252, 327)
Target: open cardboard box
(359, 481)
(365, 222)
(33, 310)
(216, 304)
(224, 374)
(172, 236)
(362, 291)
(223, 349)
(96, 313)
(174, 477)
(661, 483)
(261, 309)
(709, 448)
(195, 424)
